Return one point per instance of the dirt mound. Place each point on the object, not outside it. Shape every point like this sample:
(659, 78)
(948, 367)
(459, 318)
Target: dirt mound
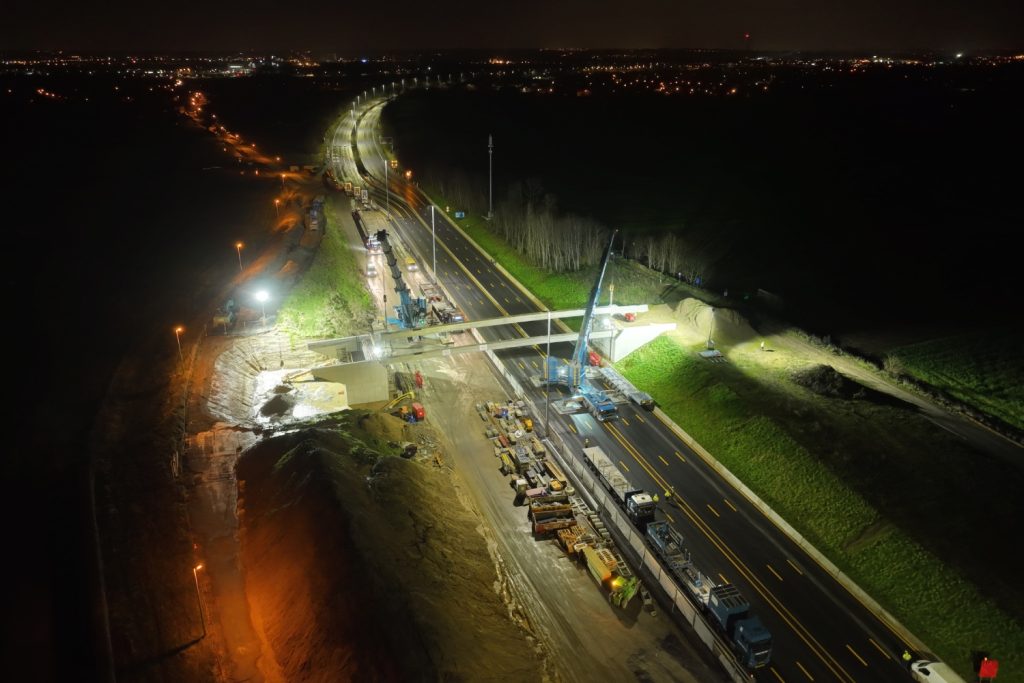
(727, 326)
(826, 381)
(363, 567)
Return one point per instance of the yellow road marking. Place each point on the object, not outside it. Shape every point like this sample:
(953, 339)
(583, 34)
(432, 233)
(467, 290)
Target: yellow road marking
(777, 675)
(679, 456)
(624, 465)
(854, 653)
(772, 570)
(729, 504)
(521, 366)
(670, 518)
(722, 577)
(573, 428)
(663, 460)
(801, 631)
(806, 672)
(625, 421)
(640, 419)
(713, 510)
(795, 568)
(879, 648)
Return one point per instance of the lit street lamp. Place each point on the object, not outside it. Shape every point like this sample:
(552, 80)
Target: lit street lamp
(277, 207)
(433, 243)
(199, 596)
(238, 248)
(262, 297)
(177, 336)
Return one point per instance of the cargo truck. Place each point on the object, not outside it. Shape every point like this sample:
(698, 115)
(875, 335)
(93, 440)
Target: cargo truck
(636, 503)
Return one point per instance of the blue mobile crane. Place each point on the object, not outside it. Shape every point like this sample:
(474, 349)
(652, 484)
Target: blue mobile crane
(412, 312)
(573, 373)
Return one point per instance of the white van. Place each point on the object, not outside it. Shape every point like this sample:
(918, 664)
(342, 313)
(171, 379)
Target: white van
(934, 672)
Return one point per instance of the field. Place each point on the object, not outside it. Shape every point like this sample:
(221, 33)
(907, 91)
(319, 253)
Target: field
(984, 370)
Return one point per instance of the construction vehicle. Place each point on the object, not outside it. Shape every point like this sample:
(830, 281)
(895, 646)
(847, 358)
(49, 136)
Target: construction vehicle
(603, 566)
(723, 604)
(638, 505)
(418, 412)
(411, 312)
(626, 388)
(573, 373)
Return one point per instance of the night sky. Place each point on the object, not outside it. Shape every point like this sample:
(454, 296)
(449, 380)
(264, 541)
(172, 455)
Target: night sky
(345, 27)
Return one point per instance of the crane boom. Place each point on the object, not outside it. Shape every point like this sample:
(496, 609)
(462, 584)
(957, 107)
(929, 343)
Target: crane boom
(579, 354)
(411, 311)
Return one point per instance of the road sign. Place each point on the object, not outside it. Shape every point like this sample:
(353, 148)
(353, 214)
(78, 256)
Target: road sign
(460, 214)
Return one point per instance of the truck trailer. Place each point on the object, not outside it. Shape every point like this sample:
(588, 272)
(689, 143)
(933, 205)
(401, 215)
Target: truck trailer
(725, 606)
(636, 503)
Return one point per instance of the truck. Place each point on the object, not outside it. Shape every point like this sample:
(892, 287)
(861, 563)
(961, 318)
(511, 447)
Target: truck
(626, 388)
(418, 412)
(638, 505)
(723, 604)
(599, 405)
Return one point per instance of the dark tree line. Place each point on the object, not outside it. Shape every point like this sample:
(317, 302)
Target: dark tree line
(529, 220)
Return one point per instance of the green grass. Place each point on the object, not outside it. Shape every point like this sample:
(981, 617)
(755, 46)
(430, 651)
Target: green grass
(330, 300)
(984, 370)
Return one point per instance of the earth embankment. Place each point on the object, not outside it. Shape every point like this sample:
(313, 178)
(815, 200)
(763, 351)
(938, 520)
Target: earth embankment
(367, 567)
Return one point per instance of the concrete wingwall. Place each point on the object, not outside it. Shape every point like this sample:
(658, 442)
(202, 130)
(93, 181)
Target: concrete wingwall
(365, 382)
(629, 339)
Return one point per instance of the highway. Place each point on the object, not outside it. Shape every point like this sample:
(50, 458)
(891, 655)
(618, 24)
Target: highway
(821, 631)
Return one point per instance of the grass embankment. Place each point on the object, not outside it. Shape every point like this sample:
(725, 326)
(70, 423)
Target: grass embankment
(330, 300)
(735, 417)
(980, 369)
(861, 480)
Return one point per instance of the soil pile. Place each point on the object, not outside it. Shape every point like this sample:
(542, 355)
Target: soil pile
(826, 381)
(366, 567)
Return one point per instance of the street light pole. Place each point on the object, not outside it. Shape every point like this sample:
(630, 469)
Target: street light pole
(711, 327)
(387, 191)
(262, 297)
(277, 207)
(238, 248)
(547, 383)
(177, 336)
(490, 176)
(433, 242)
(199, 597)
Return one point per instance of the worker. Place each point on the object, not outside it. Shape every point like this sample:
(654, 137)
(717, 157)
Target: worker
(907, 657)
(586, 442)
(655, 497)
(762, 346)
